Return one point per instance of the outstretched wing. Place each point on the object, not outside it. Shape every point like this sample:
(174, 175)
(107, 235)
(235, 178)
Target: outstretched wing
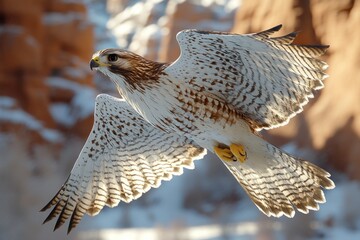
(266, 79)
(123, 157)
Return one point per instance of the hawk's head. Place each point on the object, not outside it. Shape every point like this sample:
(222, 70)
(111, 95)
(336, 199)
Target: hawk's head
(126, 67)
(114, 60)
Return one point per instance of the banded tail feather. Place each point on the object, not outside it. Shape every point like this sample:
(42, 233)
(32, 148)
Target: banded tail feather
(283, 183)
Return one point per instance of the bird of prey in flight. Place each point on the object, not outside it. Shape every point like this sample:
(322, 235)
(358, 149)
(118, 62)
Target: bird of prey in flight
(221, 91)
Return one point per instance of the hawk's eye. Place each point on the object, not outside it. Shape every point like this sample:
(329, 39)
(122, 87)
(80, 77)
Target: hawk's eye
(112, 57)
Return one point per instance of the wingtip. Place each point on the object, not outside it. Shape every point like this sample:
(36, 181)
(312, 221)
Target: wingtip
(72, 225)
(49, 217)
(69, 230)
(330, 184)
(273, 29)
(277, 27)
(47, 206)
(323, 47)
(293, 34)
(44, 209)
(266, 33)
(59, 223)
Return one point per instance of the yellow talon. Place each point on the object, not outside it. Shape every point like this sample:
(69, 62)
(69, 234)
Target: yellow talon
(224, 154)
(239, 152)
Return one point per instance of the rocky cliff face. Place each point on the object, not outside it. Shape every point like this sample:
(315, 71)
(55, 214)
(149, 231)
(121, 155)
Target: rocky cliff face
(331, 122)
(41, 41)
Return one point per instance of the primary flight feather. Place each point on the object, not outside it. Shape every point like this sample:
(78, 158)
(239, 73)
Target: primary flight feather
(221, 90)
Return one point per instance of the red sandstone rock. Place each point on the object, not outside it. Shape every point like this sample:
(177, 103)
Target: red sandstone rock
(19, 50)
(40, 39)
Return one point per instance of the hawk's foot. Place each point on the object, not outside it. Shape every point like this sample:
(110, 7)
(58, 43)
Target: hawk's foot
(239, 152)
(225, 154)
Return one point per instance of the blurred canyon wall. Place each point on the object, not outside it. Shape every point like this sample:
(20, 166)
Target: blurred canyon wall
(44, 42)
(41, 42)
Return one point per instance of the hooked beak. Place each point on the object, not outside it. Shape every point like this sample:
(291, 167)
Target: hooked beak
(94, 63)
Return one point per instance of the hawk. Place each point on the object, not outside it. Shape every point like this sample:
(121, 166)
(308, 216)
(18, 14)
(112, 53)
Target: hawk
(222, 90)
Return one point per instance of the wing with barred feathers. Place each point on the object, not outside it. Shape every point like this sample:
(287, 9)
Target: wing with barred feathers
(267, 79)
(123, 157)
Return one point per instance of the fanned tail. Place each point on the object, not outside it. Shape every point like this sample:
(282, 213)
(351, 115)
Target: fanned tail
(280, 183)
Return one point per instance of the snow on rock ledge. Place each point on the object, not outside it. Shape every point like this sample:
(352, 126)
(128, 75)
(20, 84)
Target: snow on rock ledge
(41, 39)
